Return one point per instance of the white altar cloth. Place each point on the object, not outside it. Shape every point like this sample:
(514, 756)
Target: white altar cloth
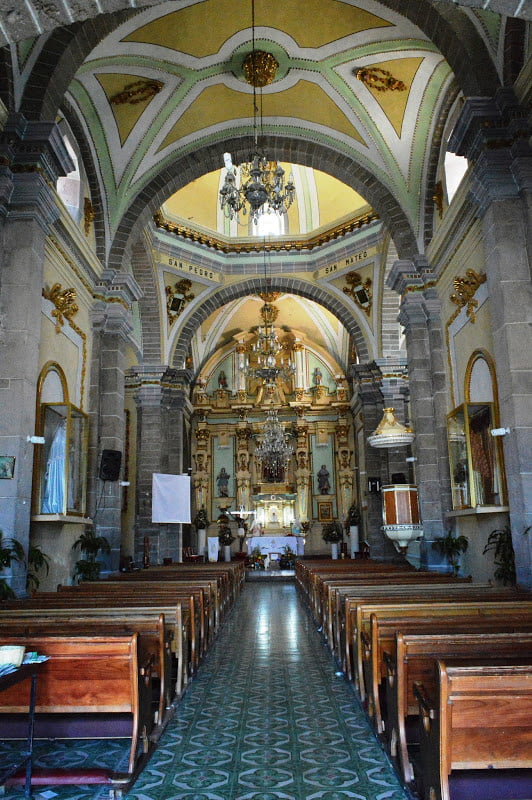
(275, 544)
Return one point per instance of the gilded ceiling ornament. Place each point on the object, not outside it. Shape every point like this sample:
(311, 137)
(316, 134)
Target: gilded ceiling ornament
(137, 92)
(177, 298)
(269, 313)
(359, 290)
(379, 79)
(259, 68)
(64, 301)
(269, 297)
(438, 197)
(88, 215)
(465, 289)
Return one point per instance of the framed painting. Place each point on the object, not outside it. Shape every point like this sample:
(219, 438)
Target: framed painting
(325, 511)
(7, 467)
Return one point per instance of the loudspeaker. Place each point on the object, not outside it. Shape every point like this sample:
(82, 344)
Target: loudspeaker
(110, 465)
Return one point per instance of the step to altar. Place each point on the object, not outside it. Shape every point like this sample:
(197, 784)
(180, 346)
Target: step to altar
(270, 574)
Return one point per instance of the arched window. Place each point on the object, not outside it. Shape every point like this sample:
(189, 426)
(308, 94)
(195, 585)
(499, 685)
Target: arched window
(69, 187)
(270, 224)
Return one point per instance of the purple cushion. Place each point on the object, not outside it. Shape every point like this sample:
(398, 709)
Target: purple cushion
(491, 784)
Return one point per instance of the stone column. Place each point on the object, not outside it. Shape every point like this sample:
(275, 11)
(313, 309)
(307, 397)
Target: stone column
(32, 157)
(299, 358)
(493, 133)
(112, 329)
(162, 410)
(368, 379)
(420, 318)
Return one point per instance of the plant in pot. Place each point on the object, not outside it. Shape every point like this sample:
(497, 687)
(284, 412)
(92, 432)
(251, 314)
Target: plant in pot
(226, 539)
(37, 560)
(88, 568)
(201, 523)
(451, 547)
(242, 531)
(333, 534)
(10, 551)
(287, 559)
(500, 541)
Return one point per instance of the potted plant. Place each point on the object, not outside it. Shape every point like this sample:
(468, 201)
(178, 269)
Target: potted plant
(332, 533)
(10, 551)
(256, 559)
(500, 541)
(352, 522)
(451, 547)
(37, 560)
(287, 559)
(201, 523)
(226, 538)
(88, 568)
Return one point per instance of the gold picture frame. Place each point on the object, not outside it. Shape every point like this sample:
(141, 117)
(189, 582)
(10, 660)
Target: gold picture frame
(325, 511)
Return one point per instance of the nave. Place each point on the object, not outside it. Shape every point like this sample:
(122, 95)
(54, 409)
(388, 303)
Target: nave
(266, 718)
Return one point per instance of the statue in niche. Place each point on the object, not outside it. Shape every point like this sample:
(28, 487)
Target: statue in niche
(222, 380)
(317, 377)
(222, 482)
(324, 486)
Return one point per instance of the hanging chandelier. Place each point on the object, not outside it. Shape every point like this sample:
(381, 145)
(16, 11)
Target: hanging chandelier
(257, 186)
(274, 450)
(267, 349)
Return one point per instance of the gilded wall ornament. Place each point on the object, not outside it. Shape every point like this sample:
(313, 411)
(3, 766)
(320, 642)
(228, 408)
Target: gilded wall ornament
(88, 215)
(359, 290)
(177, 298)
(64, 301)
(379, 79)
(464, 291)
(137, 92)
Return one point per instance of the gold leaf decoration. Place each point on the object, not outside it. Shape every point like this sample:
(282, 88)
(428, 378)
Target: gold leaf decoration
(64, 301)
(137, 92)
(177, 298)
(360, 291)
(379, 79)
(465, 290)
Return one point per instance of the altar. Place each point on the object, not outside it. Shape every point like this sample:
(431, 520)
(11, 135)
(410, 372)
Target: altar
(276, 544)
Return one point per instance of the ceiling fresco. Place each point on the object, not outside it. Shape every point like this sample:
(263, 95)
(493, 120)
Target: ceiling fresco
(169, 81)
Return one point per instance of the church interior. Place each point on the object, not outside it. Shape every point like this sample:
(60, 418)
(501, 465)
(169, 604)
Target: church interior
(281, 252)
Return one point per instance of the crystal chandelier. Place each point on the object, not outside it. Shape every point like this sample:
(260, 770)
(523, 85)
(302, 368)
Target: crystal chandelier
(259, 185)
(274, 451)
(267, 349)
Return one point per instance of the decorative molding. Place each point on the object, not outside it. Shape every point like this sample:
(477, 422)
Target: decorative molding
(464, 291)
(258, 246)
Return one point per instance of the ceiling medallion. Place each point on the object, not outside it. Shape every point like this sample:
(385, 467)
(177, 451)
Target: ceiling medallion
(359, 290)
(379, 79)
(260, 68)
(137, 92)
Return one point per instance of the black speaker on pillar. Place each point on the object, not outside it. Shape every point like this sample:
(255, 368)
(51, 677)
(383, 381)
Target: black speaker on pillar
(110, 465)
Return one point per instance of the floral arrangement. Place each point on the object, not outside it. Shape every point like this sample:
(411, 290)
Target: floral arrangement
(225, 537)
(332, 533)
(201, 521)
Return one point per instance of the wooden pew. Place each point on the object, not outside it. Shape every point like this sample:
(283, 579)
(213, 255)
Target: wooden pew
(479, 719)
(178, 615)
(379, 625)
(91, 687)
(155, 641)
(413, 661)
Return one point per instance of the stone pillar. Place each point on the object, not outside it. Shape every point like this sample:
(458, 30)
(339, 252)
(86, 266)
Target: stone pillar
(162, 410)
(368, 379)
(299, 358)
(420, 318)
(32, 156)
(112, 329)
(493, 133)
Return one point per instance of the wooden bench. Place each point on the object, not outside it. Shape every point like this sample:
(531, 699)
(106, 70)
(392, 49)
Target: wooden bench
(155, 641)
(92, 687)
(413, 662)
(476, 732)
(386, 621)
(178, 615)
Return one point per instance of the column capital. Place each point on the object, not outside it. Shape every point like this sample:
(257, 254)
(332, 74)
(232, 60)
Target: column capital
(119, 287)
(34, 146)
(368, 378)
(158, 383)
(112, 318)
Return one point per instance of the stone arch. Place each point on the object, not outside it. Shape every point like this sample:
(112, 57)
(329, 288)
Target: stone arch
(287, 285)
(283, 148)
(141, 264)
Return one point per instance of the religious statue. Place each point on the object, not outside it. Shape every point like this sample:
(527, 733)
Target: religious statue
(323, 480)
(222, 482)
(222, 380)
(317, 377)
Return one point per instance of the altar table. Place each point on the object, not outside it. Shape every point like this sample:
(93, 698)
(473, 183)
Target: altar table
(276, 544)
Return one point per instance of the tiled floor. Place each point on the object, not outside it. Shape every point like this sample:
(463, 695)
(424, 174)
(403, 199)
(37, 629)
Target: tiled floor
(267, 718)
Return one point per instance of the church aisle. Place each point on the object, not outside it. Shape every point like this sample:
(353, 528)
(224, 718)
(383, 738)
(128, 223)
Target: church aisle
(267, 718)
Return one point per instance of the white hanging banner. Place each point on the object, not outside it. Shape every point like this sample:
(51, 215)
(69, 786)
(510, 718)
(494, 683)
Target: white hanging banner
(170, 498)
